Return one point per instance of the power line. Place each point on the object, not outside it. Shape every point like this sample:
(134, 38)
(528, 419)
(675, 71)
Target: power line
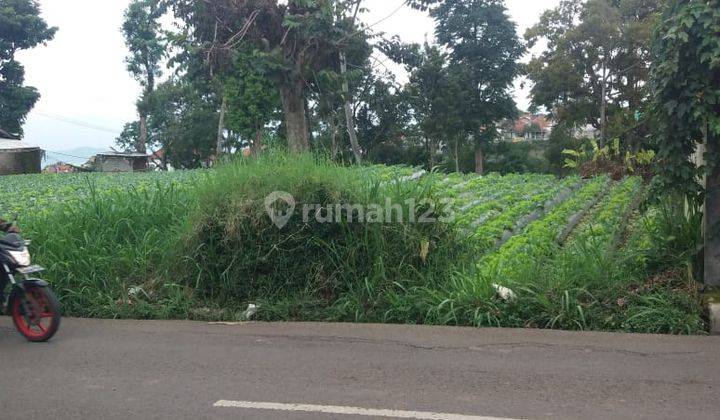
(397, 9)
(65, 154)
(79, 123)
(362, 30)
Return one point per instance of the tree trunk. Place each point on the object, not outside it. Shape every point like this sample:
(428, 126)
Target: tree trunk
(293, 105)
(221, 129)
(457, 156)
(349, 116)
(431, 154)
(603, 106)
(144, 106)
(333, 138)
(257, 143)
(141, 146)
(479, 161)
(308, 116)
(712, 216)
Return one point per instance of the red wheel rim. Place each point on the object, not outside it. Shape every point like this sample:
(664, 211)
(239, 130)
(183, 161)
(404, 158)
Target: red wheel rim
(36, 321)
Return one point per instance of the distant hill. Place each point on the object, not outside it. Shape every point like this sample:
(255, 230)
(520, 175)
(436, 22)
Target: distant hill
(76, 156)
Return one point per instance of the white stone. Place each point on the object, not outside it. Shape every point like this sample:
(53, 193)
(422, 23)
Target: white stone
(504, 292)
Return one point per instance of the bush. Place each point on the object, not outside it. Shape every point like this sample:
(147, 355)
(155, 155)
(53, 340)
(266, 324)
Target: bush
(97, 249)
(524, 157)
(233, 252)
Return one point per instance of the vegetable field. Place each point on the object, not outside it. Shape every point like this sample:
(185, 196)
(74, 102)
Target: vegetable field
(574, 253)
(20, 194)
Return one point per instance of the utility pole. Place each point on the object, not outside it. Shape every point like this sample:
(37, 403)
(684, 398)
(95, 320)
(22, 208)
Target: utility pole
(712, 212)
(347, 103)
(603, 106)
(221, 129)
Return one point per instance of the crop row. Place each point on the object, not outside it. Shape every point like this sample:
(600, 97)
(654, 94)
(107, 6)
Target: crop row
(518, 255)
(35, 193)
(604, 223)
(508, 217)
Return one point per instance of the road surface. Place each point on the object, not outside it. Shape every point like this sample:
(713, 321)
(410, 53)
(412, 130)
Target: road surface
(97, 369)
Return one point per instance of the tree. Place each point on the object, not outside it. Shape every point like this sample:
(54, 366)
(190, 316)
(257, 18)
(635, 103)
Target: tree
(686, 87)
(484, 50)
(181, 122)
(252, 100)
(147, 48)
(298, 38)
(434, 94)
(345, 7)
(594, 70)
(21, 28)
(383, 118)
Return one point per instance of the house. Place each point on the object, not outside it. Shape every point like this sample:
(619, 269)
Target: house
(118, 162)
(18, 157)
(527, 127)
(60, 168)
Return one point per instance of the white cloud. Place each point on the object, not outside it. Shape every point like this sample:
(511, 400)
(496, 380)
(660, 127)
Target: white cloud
(81, 73)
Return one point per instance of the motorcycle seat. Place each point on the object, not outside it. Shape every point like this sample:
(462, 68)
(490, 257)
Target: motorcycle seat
(12, 242)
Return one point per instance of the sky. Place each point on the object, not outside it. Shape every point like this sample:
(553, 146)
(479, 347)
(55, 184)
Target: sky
(87, 94)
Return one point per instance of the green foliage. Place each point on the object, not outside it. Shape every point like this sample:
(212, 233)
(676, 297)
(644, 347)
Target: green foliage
(686, 88)
(199, 245)
(22, 28)
(590, 44)
(36, 194)
(143, 37)
(147, 48)
(234, 252)
(182, 122)
(608, 159)
(484, 51)
(522, 157)
(296, 40)
(252, 100)
(383, 121)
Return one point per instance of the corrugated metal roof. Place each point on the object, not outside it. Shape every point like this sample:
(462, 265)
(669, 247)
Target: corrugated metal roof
(9, 144)
(123, 154)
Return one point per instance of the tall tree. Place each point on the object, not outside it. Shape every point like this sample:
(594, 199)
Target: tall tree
(432, 95)
(147, 48)
(21, 28)
(594, 70)
(484, 48)
(298, 37)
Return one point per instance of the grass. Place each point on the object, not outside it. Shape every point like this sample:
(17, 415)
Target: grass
(200, 246)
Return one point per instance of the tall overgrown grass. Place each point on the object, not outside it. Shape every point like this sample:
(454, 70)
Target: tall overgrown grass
(233, 252)
(205, 250)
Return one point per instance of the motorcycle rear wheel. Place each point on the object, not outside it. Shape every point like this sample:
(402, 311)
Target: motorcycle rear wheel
(35, 313)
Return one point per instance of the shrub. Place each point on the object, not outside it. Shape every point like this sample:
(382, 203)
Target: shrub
(232, 251)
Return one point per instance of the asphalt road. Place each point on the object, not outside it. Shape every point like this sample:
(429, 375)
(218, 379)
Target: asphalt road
(144, 369)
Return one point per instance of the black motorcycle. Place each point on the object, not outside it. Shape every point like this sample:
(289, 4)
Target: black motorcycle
(34, 309)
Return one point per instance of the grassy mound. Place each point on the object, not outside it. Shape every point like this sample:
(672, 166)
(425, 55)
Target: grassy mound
(204, 250)
(233, 252)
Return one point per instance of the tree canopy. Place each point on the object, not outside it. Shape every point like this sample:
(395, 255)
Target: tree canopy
(147, 48)
(686, 88)
(21, 28)
(594, 70)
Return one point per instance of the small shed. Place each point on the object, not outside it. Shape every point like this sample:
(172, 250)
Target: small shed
(18, 157)
(119, 162)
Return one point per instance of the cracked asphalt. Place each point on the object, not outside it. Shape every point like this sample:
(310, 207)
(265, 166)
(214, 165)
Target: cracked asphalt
(165, 369)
